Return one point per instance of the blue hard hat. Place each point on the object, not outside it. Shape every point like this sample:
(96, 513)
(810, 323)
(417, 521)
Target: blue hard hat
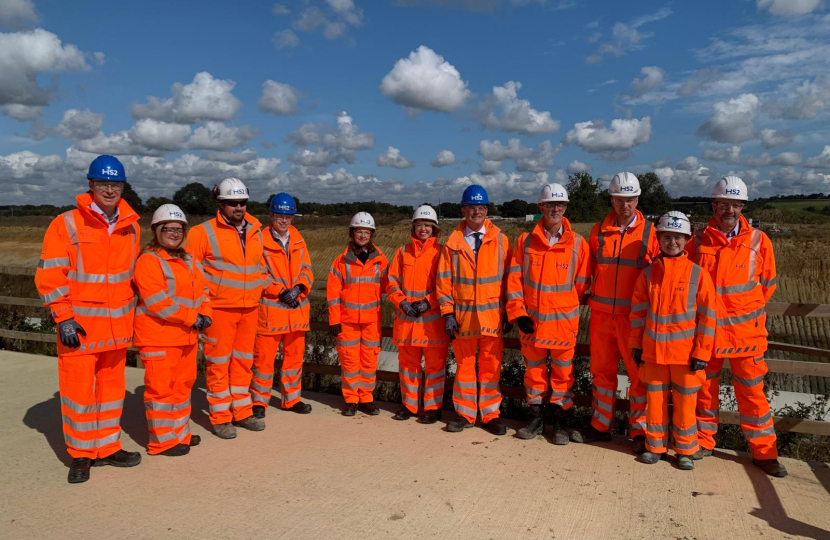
(475, 194)
(283, 203)
(106, 168)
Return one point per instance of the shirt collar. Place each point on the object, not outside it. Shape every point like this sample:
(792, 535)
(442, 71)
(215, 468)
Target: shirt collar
(241, 228)
(469, 232)
(95, 208)
(284, 239)
(557, 234)
(630, 223)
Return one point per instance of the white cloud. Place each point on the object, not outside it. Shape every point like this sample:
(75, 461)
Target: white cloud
(156, 135)
(577, 167)
(286, 39)
(773, 137)
(202, 100)
(444, 158)
(487, 166)
(652, 79)
(425, 80)
(626, 36)
(75, 125)
(16, 14)
(732, 121)
(690, 163)
(393, 158)
(278, 98)
(218, 136)
(232, 158)
(623, 135)
(332, 17)
(821, 161)
(806, 102)
(526, 159)
(335, 143)
(503, 110)
(789, 7)
(21, 113)
(280, 9)
(731, 155)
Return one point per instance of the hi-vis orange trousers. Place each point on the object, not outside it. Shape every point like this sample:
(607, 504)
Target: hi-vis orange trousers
(169, 374)
(477, 393)
(684, 384)
(92, 397)
(409, 367)
(609, 342)
(536, 375)
(291, 374)
(358, 347)
(756, 420)
(229, 354)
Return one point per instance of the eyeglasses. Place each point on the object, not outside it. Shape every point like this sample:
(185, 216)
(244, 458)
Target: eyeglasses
(104, 186)
(554, 205)
(172, 231)
(234, 204)
(727, 206)
(282, 217)
(624, 201)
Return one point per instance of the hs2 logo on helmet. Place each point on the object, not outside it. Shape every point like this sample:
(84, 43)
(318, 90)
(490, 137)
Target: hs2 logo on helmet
(109, 171)
(733, 191)
(176, 213)
(626, 188)
(239, 191)
(477, 197)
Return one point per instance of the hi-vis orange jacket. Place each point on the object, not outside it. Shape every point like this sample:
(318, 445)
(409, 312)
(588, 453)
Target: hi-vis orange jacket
(743, 271)
(412, 278)
(171, 292)
(86, 273)
(546, 283)
(474, 289)
(285, 270)
(673, 312)
(618, 259)
(354, 289)
(234, 278)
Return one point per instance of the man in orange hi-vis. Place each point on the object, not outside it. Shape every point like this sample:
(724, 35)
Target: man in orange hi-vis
(229, 247)
(85, 278)
(418, 329)
(283, 311)
(471, 288)
(548, 276)
(742, 265)
(621, 246)
(672, 332)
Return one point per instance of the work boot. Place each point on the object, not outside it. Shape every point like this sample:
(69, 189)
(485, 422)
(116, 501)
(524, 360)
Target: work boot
(535, 426)
(685, 463)
(589, 435)
(259, 411)
(178, 450)
(403, 414)
(252, 424)
(79, 470)
(225, 431)
(195, 440)
(458, 423)
(701, 453)
(300, 408)
(638, 445)
(350, 409)
(496, 426)
(369, 408)
(650, 458)
(121, 458)
(430, 417)
(771, 466)
(560, 436)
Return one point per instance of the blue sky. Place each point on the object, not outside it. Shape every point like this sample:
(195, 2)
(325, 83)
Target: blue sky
(411, 100)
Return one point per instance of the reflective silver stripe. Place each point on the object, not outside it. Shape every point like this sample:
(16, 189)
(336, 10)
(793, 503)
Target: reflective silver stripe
(490, 408)
(657, 428)
(78, 274)
(152, 354)
(637, 399)
(218, 359)
(234, 283)
(164, 437)
(706, 330)
(610, 301)
(469, 308)
(690, 446)
(239, 389)
(166, 407)
(465, 385)
(418, 294)
(167, 422)
(367, 374)
(291, 372)
(242, 355)
(670, 336)
(361, 279)
(93, 425)
(545, 317)
(219, 263)
(444, 275)
(656, 443)
(768, 282)
(219, 395)
(561, 363)
(349, 343)
(111, 405)
(261, 399)
(57, 262)
(713, 375)
(728, 321)
(356, 306)
(532, 392)
(279, 305)
(94, 443)
(748, 382)
(535, 363)
(758, 433)
(603, 391)
(607, 407)
(333, 302)
(656, 387)
(260, 387)
(155, 298)
(676, 318)
(219, 407)
(637, 323)
(336, 273)
(291, 395)
(105, 312)
(640, 307)
(685, 391)
(242, 402)
(756, 420)
(706, 426)
(601, 419)
(444, 299)
(54, 295)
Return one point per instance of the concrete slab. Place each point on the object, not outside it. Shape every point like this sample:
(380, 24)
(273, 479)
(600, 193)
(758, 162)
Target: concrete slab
(323, 476)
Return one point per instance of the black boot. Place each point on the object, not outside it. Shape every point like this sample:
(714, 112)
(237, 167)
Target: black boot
(369, 408)
(535, 426)
(79, 470)
(589, 435)
(403, 414)
(300, 408)
(258, 411)
(195, 440)
(430, 417)
(771, 466)
(496, 426)
(178, 450)
(121, 458)
(560, 436)
(458, 423)
(350, 409)
(638, 445)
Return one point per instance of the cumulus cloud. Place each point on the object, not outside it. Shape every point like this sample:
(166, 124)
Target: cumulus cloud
(21, 113)
(75, 125)
(789, 8)
(286, 39)
(503, 110)
(623, 135)
(278, 98)
(525, 159)
(821, 161)
(732, 121)
(204, 99)
(425, 81)
(280, 9)
(218, 136)
(332, 18)
(332, 144)
(16, 14)
(652, 79)
(626, 37)
(773, 137)
(680, 182)
(577, 167)
(731, 155)
(443, 159)
(487, 166)
(393, 158)
(232, 158)
(807, 101)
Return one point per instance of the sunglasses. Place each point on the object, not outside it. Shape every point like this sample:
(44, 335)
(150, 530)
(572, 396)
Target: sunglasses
(234, 204)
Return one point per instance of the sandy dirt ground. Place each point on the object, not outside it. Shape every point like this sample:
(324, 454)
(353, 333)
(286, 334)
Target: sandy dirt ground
(323, 476)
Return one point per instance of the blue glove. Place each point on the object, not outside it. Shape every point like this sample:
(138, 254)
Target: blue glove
(408, 309)
(450, 326)
(68, 332)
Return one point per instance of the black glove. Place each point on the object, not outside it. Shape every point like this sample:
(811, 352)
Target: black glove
(68, 332)
(526, 325)
(290, 295)
(335, 329)
(202, 322)
(208, 322)
(293, 305)
(450, 326)
(506, 326)
(422, 306)
(637, 355)
(408, 309)
(697, 365)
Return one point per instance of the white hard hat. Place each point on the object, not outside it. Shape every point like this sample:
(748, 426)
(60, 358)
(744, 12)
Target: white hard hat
(168, 212)
(427, 213)
(674, 221)
(363, 219)
(553, 193)
(624, 184)
(231, 189)
(730, 187)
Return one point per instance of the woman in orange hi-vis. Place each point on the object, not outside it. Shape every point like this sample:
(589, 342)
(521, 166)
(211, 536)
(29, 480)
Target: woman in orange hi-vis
(283, 311)
(548, 276)
(471, 289)
(173, 308)
(672, 333)
(85, 278)
(354, 289)
(229, 247)
(418, 329)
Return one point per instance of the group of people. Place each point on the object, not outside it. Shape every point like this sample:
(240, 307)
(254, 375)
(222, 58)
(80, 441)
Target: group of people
(670, 303)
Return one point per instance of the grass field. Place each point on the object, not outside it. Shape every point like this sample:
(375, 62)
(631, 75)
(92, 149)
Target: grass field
(800, 205)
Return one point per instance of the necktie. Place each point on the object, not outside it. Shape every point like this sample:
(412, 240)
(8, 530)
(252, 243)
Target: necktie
(478, 236)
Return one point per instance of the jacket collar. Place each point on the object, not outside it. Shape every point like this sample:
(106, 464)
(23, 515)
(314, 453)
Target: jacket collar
(456, 239)
(717, 236)
(126, 215)
(349, 255)
(254, 223)
(295, 239)
(417, 246)
(609, 224)
(567, 232)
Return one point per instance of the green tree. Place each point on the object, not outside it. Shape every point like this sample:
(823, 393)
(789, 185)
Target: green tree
(195, 199)
(132, 198)
(517, 208)
(586, 204)
(153, 203)
(654, 199)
